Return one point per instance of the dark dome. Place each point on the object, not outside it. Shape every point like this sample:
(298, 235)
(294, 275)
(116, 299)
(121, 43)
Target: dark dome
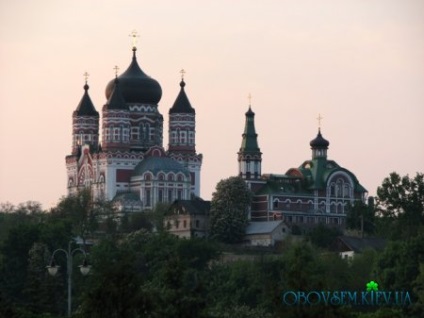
(157, 164)
(319, 141)
(136, 86)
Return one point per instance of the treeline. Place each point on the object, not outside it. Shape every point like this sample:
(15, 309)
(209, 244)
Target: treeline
(139, 270)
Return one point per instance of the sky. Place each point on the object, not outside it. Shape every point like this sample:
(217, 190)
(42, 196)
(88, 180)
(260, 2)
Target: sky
(358, 63)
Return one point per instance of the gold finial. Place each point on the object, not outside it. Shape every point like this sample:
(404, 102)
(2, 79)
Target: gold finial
(182, 72)
(250, 99)
(86, 75)
(116, 68)
(134, 38)
(319, 118)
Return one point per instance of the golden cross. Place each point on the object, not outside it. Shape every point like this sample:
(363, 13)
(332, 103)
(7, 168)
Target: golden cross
(319, 118)
(250, 99)
(182, 74)
(86, 75)
(116, 68)
(134, 37)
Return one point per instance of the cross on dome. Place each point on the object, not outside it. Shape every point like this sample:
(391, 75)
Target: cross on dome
(134, 39)
(182, 72)
(116, 68)
(86, 75)
(319, 118)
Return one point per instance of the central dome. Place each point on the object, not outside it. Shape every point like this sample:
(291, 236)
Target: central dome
(136, 86)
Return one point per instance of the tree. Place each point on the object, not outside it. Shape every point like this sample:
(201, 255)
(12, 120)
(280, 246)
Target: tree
(401, 199)
(229, 208)
(359, 213)
(323, 236)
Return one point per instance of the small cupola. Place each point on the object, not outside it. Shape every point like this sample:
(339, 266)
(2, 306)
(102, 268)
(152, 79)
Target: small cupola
(319, 146)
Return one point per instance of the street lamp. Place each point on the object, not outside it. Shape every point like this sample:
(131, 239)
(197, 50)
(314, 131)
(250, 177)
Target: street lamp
(84, 268)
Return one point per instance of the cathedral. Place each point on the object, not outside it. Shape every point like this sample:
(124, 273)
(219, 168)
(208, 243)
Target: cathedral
(129, 164)
(318, 191)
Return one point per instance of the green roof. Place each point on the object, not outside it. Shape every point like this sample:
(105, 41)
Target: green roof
(159, 164)
(249, 142)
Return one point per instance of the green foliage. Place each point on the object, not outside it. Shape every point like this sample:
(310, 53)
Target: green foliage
(399, 264)
(229, 208)
(401, 200)
(356, 212)
(158, 275)
(323, 236)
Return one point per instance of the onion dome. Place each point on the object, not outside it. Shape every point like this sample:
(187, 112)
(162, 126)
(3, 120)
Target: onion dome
(136, 86)
(159, 164)
(182, 104)
(116, 100)
(85, 106)
(319, 141)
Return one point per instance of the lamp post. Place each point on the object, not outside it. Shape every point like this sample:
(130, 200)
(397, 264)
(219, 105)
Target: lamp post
(84, 268)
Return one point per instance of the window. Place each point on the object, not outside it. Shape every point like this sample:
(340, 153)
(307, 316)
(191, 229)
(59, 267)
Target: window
(116, 133)
(177, 224)
(134, 133)
(174, 138)
(148, 198)
(170, 196)
(147, 135)
(160, 195)
(191, 138)
(142, 132)
(185, 224)
(183, 137)
(125, 134)
(180, 194)
(197, 223)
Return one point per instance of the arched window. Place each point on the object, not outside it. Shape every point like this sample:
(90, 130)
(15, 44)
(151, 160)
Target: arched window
(161, 177)
(147, 177)
(180, 178)
(191, 138)
(142, 132)
(183, 137)
(147, 135)
(174, 138)
(171, 177)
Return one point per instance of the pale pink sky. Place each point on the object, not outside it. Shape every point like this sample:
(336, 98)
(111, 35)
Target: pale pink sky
(360, 63)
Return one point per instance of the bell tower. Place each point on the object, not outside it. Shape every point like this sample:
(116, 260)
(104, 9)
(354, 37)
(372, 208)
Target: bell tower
(249, 155)
(182, 136)
(85, 122)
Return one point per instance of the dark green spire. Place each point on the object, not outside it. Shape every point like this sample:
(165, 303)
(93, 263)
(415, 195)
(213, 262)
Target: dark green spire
(249, 143)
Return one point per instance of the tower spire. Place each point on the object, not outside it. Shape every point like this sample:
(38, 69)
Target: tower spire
(249, 155)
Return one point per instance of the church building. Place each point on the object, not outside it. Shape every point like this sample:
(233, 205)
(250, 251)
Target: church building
(128, 163)
(318, 191)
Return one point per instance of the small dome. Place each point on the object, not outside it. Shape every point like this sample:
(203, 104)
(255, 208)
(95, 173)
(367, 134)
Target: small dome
(319, 141)
(136, 86)
(158, 164)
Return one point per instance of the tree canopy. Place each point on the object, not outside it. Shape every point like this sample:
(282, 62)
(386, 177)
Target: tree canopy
(229, 210)
(401, 201)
